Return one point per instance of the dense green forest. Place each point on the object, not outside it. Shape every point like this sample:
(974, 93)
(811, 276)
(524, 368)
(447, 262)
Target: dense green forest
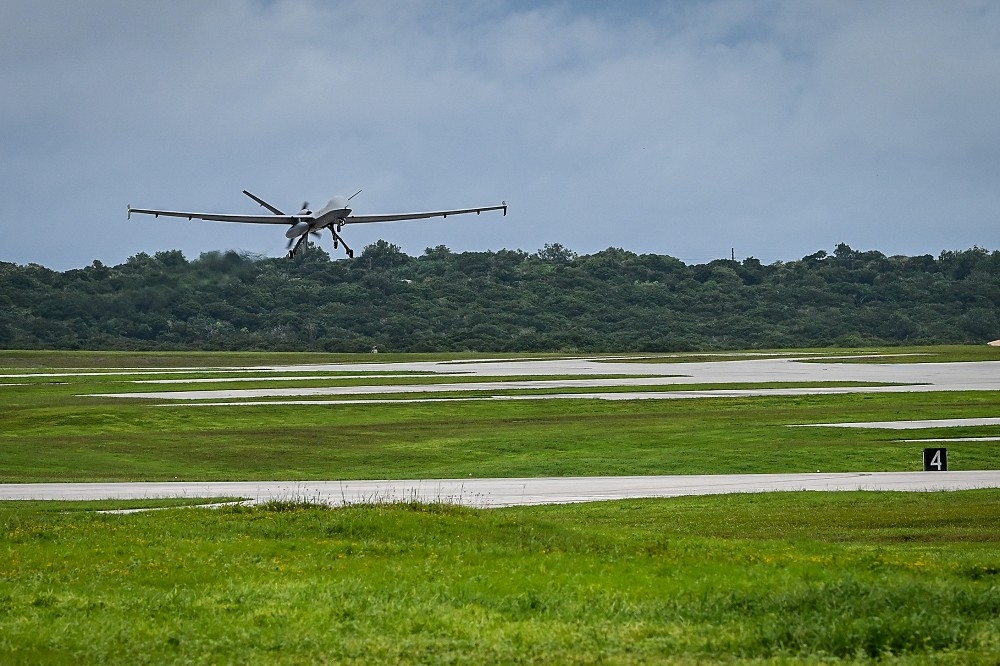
(551, 300)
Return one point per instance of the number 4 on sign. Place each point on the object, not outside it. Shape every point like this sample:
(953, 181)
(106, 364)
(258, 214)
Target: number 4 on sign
(935, 460)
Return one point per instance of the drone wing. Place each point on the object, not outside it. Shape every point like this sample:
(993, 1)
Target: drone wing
(217, 217)
(361, 219)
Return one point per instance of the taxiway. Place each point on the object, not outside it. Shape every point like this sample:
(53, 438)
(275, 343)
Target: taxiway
(486, 493)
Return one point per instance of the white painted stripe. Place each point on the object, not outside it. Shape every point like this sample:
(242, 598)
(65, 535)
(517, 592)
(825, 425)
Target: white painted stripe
(907, 425)
(953, 439)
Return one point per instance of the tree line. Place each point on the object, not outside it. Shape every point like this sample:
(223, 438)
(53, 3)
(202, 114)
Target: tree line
(507, 300)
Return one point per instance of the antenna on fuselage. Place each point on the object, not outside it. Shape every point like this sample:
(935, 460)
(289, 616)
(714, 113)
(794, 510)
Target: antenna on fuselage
(354, 195)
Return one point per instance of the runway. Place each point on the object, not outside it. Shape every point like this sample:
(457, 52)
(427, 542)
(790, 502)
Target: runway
(669, 378)
(502, 492)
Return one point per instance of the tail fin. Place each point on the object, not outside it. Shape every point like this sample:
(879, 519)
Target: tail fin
(263, 203)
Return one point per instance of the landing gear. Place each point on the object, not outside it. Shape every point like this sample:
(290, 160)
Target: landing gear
(338, 240)
(294, 245)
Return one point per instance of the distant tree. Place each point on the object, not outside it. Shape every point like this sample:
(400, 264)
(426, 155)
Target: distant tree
(556, 253)
(553, 300)
(438, 252)
(383, 255)
(170, 258)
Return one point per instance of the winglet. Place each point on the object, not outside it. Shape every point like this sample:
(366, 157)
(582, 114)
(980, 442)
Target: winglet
(129, 211)
(504, 204)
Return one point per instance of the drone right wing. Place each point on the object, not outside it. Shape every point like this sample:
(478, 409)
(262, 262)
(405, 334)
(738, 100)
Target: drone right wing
(394, 217)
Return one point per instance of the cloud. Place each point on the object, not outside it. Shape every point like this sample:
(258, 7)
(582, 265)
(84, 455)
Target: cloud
(685, 128)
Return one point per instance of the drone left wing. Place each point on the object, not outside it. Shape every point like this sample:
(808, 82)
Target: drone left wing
(218, 217)
(360, 219)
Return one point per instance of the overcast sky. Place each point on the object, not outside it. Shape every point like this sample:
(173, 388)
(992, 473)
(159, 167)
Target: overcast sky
(684, 128)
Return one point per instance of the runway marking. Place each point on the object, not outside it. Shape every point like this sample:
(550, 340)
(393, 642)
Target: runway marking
(334, 372)
(626, 391)
(448, 387)
(953, 439)
(678, 394)
(291, 378)
(906, 425)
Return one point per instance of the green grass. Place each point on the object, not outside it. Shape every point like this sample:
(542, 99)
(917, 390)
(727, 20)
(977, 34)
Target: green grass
(128, 359)
(773, 578)
(910, 354)
(749, 579)
(182, 359)
(935, 354)
(316, 380)
(51, 430)
(501, 391)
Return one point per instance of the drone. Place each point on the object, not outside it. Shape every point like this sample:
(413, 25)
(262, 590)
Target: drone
(333, 216)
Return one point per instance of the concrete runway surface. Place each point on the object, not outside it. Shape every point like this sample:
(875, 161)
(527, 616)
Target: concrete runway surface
(893, 377)
(487, 493)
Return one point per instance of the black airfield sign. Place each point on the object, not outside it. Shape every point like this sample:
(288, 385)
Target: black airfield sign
(936, 460)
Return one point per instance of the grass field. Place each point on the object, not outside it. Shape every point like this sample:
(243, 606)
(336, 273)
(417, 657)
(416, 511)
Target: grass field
(774, 578)
(89, 359)
(50, 430)
(778, 578)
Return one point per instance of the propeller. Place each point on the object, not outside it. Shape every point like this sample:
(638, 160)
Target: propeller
(298, 242)
(295, 243)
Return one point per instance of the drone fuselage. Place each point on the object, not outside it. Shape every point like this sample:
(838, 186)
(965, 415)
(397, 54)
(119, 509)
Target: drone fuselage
(336, 209)
(337, 206)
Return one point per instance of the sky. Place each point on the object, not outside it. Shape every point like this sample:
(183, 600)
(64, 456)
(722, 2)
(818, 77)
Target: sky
(694, 128)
